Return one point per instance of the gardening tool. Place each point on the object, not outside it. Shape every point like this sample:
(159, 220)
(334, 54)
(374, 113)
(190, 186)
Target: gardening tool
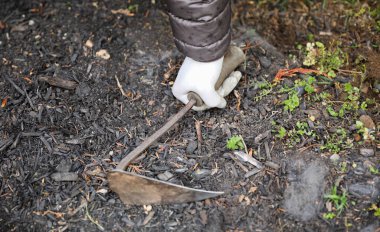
(141, 190)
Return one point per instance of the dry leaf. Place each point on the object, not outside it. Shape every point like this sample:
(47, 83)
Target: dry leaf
(123, 11)
(89, 43)
(102, 53)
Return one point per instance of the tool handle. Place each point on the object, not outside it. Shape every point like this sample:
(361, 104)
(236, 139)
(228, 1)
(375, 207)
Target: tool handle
(233, 58)
(151, 139)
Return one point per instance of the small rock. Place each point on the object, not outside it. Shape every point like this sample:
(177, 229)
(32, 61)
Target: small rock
(252, 172)
(262, 136)
(334, 158)
(265, 62)
(201, 173)
(362, 190)
(191, 147)
(64, 176)
(272, 165)
(31, 22)
(165, 176)
(300, 90)
(368, 122)
(111, 201)
(64, 166)
(102, 53)
(315, 114)
(367, 152)
(89, 43)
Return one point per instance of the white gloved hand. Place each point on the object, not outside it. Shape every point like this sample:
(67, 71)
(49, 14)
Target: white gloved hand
(200, 77)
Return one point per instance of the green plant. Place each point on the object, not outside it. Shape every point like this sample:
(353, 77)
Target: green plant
(235, 142)
(373, 170)
(366, 133)
(337, 141)
(292, 102)
(326, 60)
(281, 132)
(329, 216)
(340, 201)
(265, 89)
(376, 210)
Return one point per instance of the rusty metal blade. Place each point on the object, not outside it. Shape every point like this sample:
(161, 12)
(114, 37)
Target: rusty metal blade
(134, 189)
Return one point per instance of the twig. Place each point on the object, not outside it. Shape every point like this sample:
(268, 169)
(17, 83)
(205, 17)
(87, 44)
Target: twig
(199, 135)
(120, 87)
(59, 82)
(100, 227)
(28, 98)
(15, 86)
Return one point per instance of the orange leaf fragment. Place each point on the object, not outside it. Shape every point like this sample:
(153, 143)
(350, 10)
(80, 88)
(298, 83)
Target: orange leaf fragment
(4, 102)
(290, 72)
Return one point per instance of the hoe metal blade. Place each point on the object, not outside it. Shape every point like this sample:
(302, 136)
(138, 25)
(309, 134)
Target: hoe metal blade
(134, 189)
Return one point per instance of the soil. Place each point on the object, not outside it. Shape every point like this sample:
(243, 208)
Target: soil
(78, 132)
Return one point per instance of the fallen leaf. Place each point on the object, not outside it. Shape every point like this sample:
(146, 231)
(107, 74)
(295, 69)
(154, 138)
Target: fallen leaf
(290, 72)
(252, 189)
(4, 102)
(102, 53)
(89, 43)
(367, 122)
(123, 11)
(2, 25)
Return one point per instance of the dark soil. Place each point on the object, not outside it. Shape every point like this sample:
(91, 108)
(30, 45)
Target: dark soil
(81, 131)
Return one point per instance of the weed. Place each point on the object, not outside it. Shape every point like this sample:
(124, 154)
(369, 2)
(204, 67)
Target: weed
(373, 170)
(235, 142)
(326, 60)
(292, 102)
(265, 87)
(337, 141)
(329, 216)
(376, 210)
(340, 201)
(366, 133)
(281, 132)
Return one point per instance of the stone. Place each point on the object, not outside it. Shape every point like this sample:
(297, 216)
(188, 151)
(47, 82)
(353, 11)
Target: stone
(165, 176)
(201, 173)
(363, 190)
(64, 176)
(334, 158)
(367, 122)
(367, 152)
(191, 147)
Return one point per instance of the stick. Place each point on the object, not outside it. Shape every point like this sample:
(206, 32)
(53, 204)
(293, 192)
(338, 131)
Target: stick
(59, 82)
(151, 139)
(120, 87)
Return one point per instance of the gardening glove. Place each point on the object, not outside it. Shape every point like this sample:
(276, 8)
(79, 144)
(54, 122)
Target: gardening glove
(200, 78)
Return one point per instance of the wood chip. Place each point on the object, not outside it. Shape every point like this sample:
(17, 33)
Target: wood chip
(64, 176)
(59, 82)
(102, 53)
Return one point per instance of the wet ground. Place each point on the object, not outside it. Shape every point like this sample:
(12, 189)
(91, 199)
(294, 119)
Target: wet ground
(57, 141)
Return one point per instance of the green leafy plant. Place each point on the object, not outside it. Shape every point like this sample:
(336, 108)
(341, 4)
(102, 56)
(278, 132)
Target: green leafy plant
(281, 132)
(326, 60)
(265, 89)
(339, 201)
(376, 210)
(235, 142)
(329, 216)
(292, 102)
(373, 170)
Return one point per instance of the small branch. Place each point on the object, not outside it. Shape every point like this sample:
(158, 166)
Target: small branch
(59, 82)
(120, 87)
